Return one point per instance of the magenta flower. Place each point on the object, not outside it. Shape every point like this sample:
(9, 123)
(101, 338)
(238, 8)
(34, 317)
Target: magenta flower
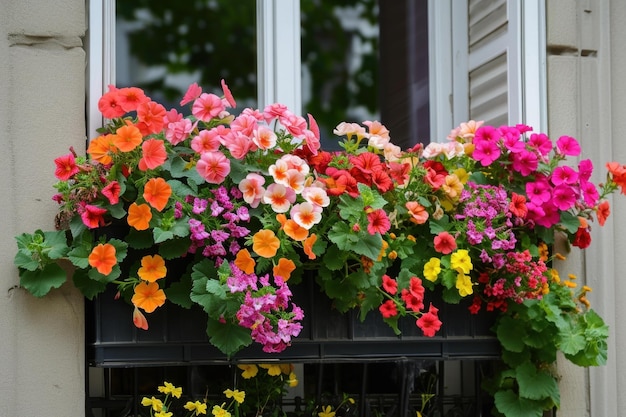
(567, 145)
(485, 152)
(525, 162)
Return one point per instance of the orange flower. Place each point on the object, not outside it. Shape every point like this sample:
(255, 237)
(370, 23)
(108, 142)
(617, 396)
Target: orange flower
(265, 243)
(244, 261)
(604, 211)
(139, 216)
(127, 138)
(157, 192)
(308, 246)
(295, 231)
(418, 213)
(102, 257)
(282, 219)
(152, 268)
(139, 320)
(284, 268)
(100, 149)
(148, 296)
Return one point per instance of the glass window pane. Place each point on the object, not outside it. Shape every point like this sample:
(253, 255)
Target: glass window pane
(165, 46)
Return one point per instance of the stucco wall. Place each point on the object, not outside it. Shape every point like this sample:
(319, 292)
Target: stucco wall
(42, 66)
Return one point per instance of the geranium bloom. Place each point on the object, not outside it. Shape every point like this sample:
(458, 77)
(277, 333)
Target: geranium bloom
(284, 268)
(418, 213)
(388, 309)
(244, 261)
(152, 154)
(214, 167)
(102, 257)
(139, 216)
(92, 216)
(152, 268)
(148, 296)
(157, 193)
(139, 320)
(378, 222)
(265, 243)
(429, 322)
(127, 138)
(207, 106)
(444, 243)
(65, 167)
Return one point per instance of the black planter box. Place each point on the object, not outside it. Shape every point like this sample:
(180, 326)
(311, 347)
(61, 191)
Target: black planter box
(177, 336)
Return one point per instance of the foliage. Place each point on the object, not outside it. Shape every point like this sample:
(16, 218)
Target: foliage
(249, 202)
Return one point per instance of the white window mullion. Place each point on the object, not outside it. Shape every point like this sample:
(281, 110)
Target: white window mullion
(278, 51)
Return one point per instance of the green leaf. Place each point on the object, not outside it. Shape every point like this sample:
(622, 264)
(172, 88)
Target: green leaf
(174, 248)
(438, 226)
(571, 342)
(570, 221)
(23, 259)
(41, 281)
(511, 334)
(86, 285)
(334, 259)
(227, 337)
(368, 245)
(214, 287)
(448, 278)
(57, 244)
(161, 235)
(451, 295)
(511, 405)
(179, 292)
(97, 276)
(140, 239)
(79, 256)
(536, 385)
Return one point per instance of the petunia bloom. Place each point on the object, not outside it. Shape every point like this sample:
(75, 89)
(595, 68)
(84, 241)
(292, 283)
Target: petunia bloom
(102, 257)
(444, 243)
(139, 216)
(127, 138)
(153, 154)
(148, 296)
(92, 216)
(284, 268)
(244, 261)
(65, 167)
(265, 243)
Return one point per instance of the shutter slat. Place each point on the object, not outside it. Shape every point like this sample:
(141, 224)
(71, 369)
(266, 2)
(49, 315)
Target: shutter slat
(489, 92)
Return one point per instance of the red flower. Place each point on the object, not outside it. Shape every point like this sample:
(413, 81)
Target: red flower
(390, 285)
(378, 222)
(582, 238)
(445, 243)
(412, 301)
(66, 167)
(429, 322)
(388, 309)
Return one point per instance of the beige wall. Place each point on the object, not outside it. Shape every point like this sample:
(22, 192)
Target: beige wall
(586, 99)
(42, 63)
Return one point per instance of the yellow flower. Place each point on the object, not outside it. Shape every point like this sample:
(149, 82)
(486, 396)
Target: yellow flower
(326, 412)
(249, 370)
(155, 403)
(293, 380)
(464, 285)
(219, 411)
(198, 407)
(432, 269)
(461, 261)
(237, 395)
(272, 370)
(163, 413)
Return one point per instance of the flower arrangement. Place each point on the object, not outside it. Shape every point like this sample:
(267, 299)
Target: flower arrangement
(250, 202)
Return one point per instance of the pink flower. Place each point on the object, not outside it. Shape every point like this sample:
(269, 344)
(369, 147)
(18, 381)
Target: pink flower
(193, 92)
(214, 167)
(252, 189)
(306, 215)
(274, 111)
(239, 145)
(92, 216)
(153, 154)
(538, 191)
(541, 142)
(206, 141)
(312, 136)
(264, 138)
(485, 151)
(525, 162)
(585, 169)
(590, 193)
(564, 175)
(429, 322)
(246, 124)
(66, 167)
(207, 107)
(563, 197)
(279, 197)
(177, 132)
(112, 192)
(151, 117)
(139, 320)
(567, 145)
(378, 222)
(228, 95)
(316, 196)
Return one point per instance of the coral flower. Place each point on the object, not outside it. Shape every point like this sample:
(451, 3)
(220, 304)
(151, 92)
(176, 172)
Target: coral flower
(139, 320)
(152, 268)
(604, 210)
(308, 246)
(388, 309)
(100, 149)
(102, 257)
(139, 216)
(518, 205)
(228, 96)
(445, 243)
(127, 138)
(264, 138)
(214, 167)
(418, 213)
(66, 167)
(390, 285)
(148, 296)
(151, 116)
(153, 154)
(284, 268)
(157, 193)
(295, 231)
(265, 243)
(378, 222)
(110, 105)
(244, 261)
(193, 92)
(131, 97)
(112, 192)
